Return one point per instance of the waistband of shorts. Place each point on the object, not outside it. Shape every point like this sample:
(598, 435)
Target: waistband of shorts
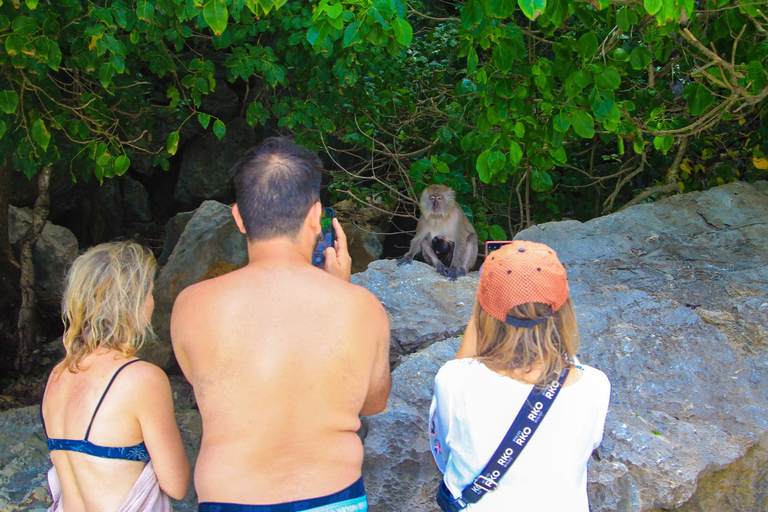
(356, 490)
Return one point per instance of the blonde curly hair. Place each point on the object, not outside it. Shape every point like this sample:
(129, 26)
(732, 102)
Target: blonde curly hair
(103, 302)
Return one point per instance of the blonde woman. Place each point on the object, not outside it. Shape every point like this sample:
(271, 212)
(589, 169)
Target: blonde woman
(522, 336)
(109, 416)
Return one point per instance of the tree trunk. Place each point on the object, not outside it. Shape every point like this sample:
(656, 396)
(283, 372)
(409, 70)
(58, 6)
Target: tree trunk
(9, 267)
(27, 354)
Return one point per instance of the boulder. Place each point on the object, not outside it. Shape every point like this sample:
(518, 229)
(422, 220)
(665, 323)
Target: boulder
(211, 245)
(53, 253)
(423, 306)
(672, 304)
(173, 230)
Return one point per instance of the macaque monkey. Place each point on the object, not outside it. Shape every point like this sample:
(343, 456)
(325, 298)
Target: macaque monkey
(443, 234)
(444, 249)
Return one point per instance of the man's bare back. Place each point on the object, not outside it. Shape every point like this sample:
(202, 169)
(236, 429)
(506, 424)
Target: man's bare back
(284, 357)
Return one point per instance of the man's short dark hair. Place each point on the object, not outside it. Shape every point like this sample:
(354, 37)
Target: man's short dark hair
(276, 183)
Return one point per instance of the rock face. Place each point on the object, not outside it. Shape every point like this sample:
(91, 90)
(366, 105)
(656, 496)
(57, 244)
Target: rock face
(211, 245)
(54, 251)
(423, 306)
(672, 304)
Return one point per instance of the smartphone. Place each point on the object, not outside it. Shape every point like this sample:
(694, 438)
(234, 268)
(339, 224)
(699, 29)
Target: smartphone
(492, 246)
(328, 237)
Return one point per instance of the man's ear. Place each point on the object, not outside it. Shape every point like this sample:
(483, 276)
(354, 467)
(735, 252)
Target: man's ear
(314, 216)
(238, 218)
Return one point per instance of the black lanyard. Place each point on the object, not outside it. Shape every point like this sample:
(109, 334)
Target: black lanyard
(527, 421)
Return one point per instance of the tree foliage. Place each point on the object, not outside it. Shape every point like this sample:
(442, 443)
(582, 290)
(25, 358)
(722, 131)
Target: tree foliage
(530, 109)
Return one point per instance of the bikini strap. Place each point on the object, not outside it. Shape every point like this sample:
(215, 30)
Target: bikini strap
(88, 432)
(42, 395)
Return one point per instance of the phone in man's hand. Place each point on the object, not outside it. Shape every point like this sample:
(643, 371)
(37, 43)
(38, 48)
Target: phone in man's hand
(328, 236)
(494, 245)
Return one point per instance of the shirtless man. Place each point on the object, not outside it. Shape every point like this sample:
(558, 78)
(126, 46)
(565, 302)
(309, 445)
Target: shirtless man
(283, 356)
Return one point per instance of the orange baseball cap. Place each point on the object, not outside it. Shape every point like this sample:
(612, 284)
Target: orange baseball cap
(518, 273)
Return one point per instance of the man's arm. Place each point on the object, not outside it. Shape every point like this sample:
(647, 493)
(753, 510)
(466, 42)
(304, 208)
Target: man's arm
(381, 379)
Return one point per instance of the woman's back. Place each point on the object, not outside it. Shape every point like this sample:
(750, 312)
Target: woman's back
(94, 428)
(475, 406)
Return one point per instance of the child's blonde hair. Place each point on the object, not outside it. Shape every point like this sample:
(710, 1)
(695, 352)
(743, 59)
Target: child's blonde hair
(103, 302)
(553, 342)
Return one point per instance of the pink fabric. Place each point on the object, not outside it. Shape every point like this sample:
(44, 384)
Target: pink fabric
(144, 496)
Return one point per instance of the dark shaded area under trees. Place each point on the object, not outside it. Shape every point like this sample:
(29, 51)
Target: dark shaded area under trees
(531, 111)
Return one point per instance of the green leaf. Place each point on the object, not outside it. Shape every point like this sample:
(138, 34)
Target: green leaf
(561, 122)
(219, 129)
(638, 144)
(403, 31)
(216, 15)
(587, 45)
(607, 77)
(145, 10)
(663, 143)
(351, 34)
(31, 4)
(652, 6)
(9, 100)
(334, 11)
(640, 57)
(583, 124)
(172, 146)
(204, 120)
(121, 164)
(40, 134)
(532, 8)
(541, 181)
(3, 128)
(504, 56)
(497, 232)
(471, 60)
(502, 8)
(558, 155)
(698, 97)
(515, 153)
(23, 26)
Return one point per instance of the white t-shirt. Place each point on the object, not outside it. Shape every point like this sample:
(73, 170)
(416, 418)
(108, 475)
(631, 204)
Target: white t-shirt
(472, 410)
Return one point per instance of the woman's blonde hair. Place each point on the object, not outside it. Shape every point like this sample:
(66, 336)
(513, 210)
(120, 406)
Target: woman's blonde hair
(503, 347)
(103, 302)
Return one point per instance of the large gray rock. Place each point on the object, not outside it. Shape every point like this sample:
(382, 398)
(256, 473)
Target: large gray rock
(398, 469)
(53, 253)
(423, 306)
(211, 245)
(672, 303)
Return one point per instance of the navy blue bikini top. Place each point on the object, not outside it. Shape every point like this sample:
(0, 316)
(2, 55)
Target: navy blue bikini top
(138, 452)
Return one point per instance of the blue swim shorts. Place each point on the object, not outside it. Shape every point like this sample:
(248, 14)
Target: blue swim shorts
(351, 499)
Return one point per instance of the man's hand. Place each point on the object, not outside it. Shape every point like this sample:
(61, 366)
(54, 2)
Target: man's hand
(337, 259)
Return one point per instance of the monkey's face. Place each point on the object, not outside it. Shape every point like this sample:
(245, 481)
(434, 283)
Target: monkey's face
(436, 202)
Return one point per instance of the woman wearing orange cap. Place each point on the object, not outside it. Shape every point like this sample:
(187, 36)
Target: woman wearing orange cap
(514, 417)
